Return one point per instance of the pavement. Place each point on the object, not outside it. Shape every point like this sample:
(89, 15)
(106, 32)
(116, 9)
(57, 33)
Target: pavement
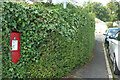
(96, 68)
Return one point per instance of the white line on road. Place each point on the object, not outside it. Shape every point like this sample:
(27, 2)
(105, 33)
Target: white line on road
(107, 65)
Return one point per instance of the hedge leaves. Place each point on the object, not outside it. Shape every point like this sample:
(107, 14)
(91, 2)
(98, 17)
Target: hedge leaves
(53, 40)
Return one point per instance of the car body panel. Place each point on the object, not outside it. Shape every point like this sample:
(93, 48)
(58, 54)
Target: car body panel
(110, 32)
(114, 49)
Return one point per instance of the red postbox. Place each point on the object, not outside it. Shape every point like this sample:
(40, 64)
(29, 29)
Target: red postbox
(15, 44)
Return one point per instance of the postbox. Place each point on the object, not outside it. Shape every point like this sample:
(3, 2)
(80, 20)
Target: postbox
(15, 45)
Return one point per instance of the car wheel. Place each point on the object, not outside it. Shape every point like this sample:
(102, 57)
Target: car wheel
(109, 51)
(105, 41)
(115, 68)
(107, 44)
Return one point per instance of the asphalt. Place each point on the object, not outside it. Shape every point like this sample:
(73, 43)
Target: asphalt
(96, 68)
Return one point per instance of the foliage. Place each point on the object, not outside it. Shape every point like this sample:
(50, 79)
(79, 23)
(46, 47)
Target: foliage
(118, 11)
(110, 25)
(98, 9)
(110, 12)
(112, 8)
(53, 40)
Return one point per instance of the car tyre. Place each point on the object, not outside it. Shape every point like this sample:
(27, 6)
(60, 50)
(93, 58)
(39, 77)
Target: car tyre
(115, 68)
(108, 51)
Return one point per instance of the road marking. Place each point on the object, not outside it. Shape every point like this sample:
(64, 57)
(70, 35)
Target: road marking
(107, 65)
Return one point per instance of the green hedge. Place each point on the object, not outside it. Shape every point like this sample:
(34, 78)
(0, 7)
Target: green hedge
(110, 25)
(54, 40)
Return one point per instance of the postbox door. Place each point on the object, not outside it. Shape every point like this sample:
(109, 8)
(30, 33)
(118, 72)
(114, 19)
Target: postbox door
(15, 44)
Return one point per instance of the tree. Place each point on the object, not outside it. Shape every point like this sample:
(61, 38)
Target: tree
(50, 1)
(112, 8)
(119, 13)
(99, 10)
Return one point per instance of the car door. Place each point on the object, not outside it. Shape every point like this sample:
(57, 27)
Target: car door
(112, 46)
(117, 49)
(110, 49)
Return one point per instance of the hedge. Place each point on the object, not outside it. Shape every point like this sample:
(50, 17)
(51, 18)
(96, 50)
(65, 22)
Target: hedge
(110, 25)
(54, 40)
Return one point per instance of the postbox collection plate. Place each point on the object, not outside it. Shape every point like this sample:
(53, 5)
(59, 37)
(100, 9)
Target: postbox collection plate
(14, 44)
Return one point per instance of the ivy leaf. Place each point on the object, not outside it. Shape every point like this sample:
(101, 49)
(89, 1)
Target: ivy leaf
(23, 24)
(11, 69)
(11, 9)
(16, 14)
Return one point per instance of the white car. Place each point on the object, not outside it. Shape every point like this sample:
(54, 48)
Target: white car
(114, 52)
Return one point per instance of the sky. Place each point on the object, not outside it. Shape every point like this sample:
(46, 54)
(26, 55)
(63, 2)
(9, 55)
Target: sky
(104, 2)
